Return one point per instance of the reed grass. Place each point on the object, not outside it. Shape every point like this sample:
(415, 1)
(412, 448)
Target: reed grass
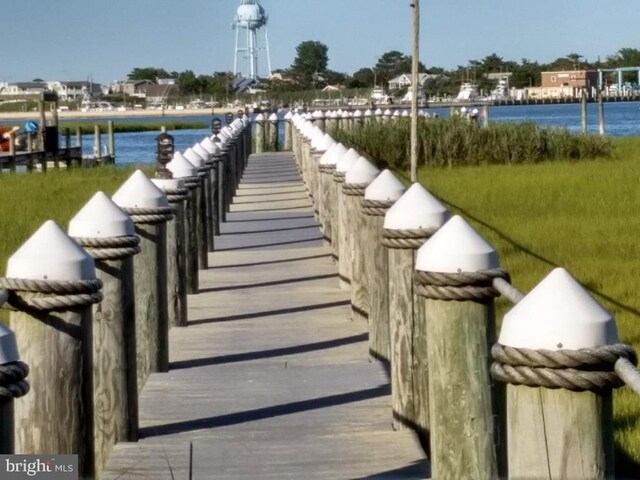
(87, 128)
(456, 141)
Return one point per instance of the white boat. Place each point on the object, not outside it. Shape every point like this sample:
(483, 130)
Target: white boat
(501, 92)
(379, 96)
(468, 93)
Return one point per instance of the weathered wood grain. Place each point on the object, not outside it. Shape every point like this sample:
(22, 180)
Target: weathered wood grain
(379, 336)
(201, 225)
(191, 235)
(359, 245)
(177, 266)
(57, 414)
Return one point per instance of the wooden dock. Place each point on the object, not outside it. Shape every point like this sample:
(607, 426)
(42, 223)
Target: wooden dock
(271, 379)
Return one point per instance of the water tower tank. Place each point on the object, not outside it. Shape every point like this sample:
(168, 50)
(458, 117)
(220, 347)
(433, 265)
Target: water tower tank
(250, 15)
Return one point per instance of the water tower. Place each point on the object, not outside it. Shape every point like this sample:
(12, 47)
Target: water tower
(250, 17)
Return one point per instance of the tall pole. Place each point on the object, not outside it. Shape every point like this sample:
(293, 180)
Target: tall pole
(414, 86)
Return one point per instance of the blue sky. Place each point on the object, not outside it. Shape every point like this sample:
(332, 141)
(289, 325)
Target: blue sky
(105, 40)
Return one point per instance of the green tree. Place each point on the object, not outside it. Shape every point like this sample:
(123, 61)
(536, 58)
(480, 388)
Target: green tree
(148, 73)
(310, 63)
(390, 65)
(363, 78)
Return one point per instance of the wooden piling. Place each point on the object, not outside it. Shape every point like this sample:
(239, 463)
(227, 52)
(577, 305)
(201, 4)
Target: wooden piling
(288, 127)
(273, 133)
(57, 416)
(108, 235)
(111, 142)
(600, 114)
(342, 238)
(97, 143)
(583, 111)
(463, 417)
(259, 136)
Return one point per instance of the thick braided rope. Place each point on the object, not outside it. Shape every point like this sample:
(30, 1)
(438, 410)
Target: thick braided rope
(460, 287)
(149, 216)
(110, 248)
(13, 382)
(204, 171)
(326, 168)
(65, 295)
(589, 369)
(376, 208)
(354, 189)
(176, 195)
(406, 239)
(191, 182)
(338, 177)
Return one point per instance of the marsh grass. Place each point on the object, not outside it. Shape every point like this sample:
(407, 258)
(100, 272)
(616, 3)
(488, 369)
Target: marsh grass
(28, 200)
(456, 141)
(87, 128)
(583, 216)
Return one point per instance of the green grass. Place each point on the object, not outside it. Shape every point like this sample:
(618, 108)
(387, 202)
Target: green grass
(583, 216)
(28, 200)
(88, 127)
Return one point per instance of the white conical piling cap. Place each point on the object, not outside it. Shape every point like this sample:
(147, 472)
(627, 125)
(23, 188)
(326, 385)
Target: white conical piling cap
(318, 115)
(139, 192)
(333, 155)
(405, 113)
(455, 248)
(558, 314)
(368, 112)
(334, 115)
(210, 146)
(51, 254)
(100, 218)
(8, 346)
(387, 113)
(397, 113)
(417, 208)
(357, 114)
(385, 188)
(378, 112)
(200, 150)
(346, 114)
(273, 117)
(193, 156)
(259, 118)
(323, 143)
(362, 172)
(167, 183)
(181, 167)
(288, 115)
(347, 161)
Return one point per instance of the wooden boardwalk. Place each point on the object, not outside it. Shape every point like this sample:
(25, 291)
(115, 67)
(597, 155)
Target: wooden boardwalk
(271, 379)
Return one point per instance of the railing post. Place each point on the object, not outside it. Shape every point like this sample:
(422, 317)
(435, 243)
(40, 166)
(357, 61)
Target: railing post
(358, 119)
(183, 169)
(368, 117)
(377, 115)
(259, 133)
(341, 239)
(559, 404)
(202, 193)
(273, 133)
(356, 180)
(13, 384)
(210, 198)
(288, 127)
(383, 192)
(150, 211)
(407, 225)
(455, 269)
(327, 206)
(319, 146)
(58, 418)
(215, 159)
(331, 122)
(108, 235)
(318, 115)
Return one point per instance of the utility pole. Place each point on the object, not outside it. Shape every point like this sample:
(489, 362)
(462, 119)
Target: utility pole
(414, 86)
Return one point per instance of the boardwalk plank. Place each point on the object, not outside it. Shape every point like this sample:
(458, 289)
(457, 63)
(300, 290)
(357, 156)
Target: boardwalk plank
(271, 379)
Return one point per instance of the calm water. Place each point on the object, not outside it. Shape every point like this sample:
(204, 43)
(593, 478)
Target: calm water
(621, 119)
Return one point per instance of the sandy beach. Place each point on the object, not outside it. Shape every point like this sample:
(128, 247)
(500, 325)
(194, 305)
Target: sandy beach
(8, 116)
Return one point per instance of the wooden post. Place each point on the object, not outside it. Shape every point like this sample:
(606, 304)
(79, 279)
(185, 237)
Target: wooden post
(259, 134)
(485, 115)
(58, 416)
(415, 87)
(342, 232)
(202, 227)
(210, 203)
(140, 199)
(408, 224)
(97, 143)
(273, 134)
(379, 197)
(183, 169)
(320, 120)
(288, 127)
(108, 234)
(463, 416)
(584, 111)
(214, 151)
(356, 180)
(600, 114)
(177, 195)
(14, 388)
(112, 142)
(326, 166)
(43, 124)
(554, 432)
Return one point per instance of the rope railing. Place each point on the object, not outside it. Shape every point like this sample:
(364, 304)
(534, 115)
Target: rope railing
(623, 367)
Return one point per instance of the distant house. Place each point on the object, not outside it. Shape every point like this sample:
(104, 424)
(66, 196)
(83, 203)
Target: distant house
(154, 93)
(73, 90)
(132, 88)
(22, 88)
(569, 82)
(404, 80)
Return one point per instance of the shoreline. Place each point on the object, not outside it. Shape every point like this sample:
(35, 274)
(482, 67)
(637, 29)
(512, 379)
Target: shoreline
(70, 115)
